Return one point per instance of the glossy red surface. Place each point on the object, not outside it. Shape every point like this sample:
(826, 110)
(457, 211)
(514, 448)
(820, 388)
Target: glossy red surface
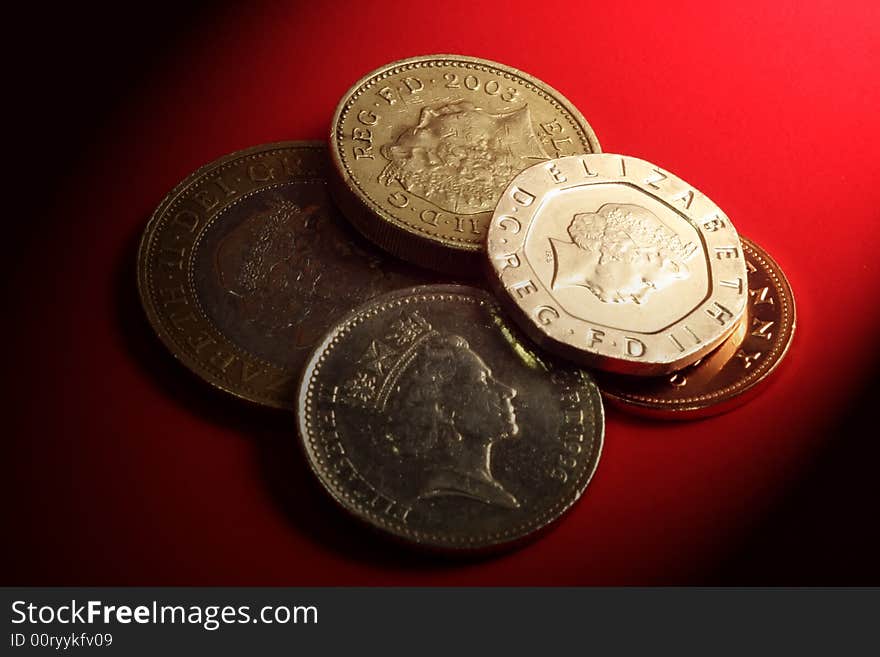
(127, 470)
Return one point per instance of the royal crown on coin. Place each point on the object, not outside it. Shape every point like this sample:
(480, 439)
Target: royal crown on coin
(381, 365)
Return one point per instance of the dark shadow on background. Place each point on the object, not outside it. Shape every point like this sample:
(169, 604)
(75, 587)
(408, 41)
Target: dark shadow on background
(71, 68)
(825, 531)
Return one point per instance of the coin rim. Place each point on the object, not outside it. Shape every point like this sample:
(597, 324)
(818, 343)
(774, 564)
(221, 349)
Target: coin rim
(378, 224)
(731, 396)
(144, 283)
(428, 540)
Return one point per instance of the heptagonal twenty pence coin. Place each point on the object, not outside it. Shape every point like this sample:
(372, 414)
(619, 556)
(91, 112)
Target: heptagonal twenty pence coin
(615, 263)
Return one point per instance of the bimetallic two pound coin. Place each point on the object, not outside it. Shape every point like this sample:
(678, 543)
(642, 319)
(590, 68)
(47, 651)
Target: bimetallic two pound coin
(615, 263)
(731, 374)
(422, 414)
(246, 264)
(423, 148)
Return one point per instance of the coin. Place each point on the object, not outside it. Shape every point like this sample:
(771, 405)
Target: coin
(246, 264)
(733, 373)
(424, 146)
(615, 263)
(424, 415)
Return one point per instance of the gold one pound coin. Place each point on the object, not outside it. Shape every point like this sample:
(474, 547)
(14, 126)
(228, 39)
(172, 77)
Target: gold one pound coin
(423, 148)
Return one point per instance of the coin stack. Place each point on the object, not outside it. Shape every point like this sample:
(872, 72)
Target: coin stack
(459, 417)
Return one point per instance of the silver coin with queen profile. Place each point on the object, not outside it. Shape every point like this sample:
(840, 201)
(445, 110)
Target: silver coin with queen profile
(614, 263)
(424, 415)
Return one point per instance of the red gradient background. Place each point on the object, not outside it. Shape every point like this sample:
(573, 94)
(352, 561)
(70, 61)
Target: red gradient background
(125, 469)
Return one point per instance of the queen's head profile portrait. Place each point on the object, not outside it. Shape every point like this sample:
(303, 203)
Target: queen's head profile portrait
(264, 266)
(621, 253)
(440, 410)
(460, 157)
